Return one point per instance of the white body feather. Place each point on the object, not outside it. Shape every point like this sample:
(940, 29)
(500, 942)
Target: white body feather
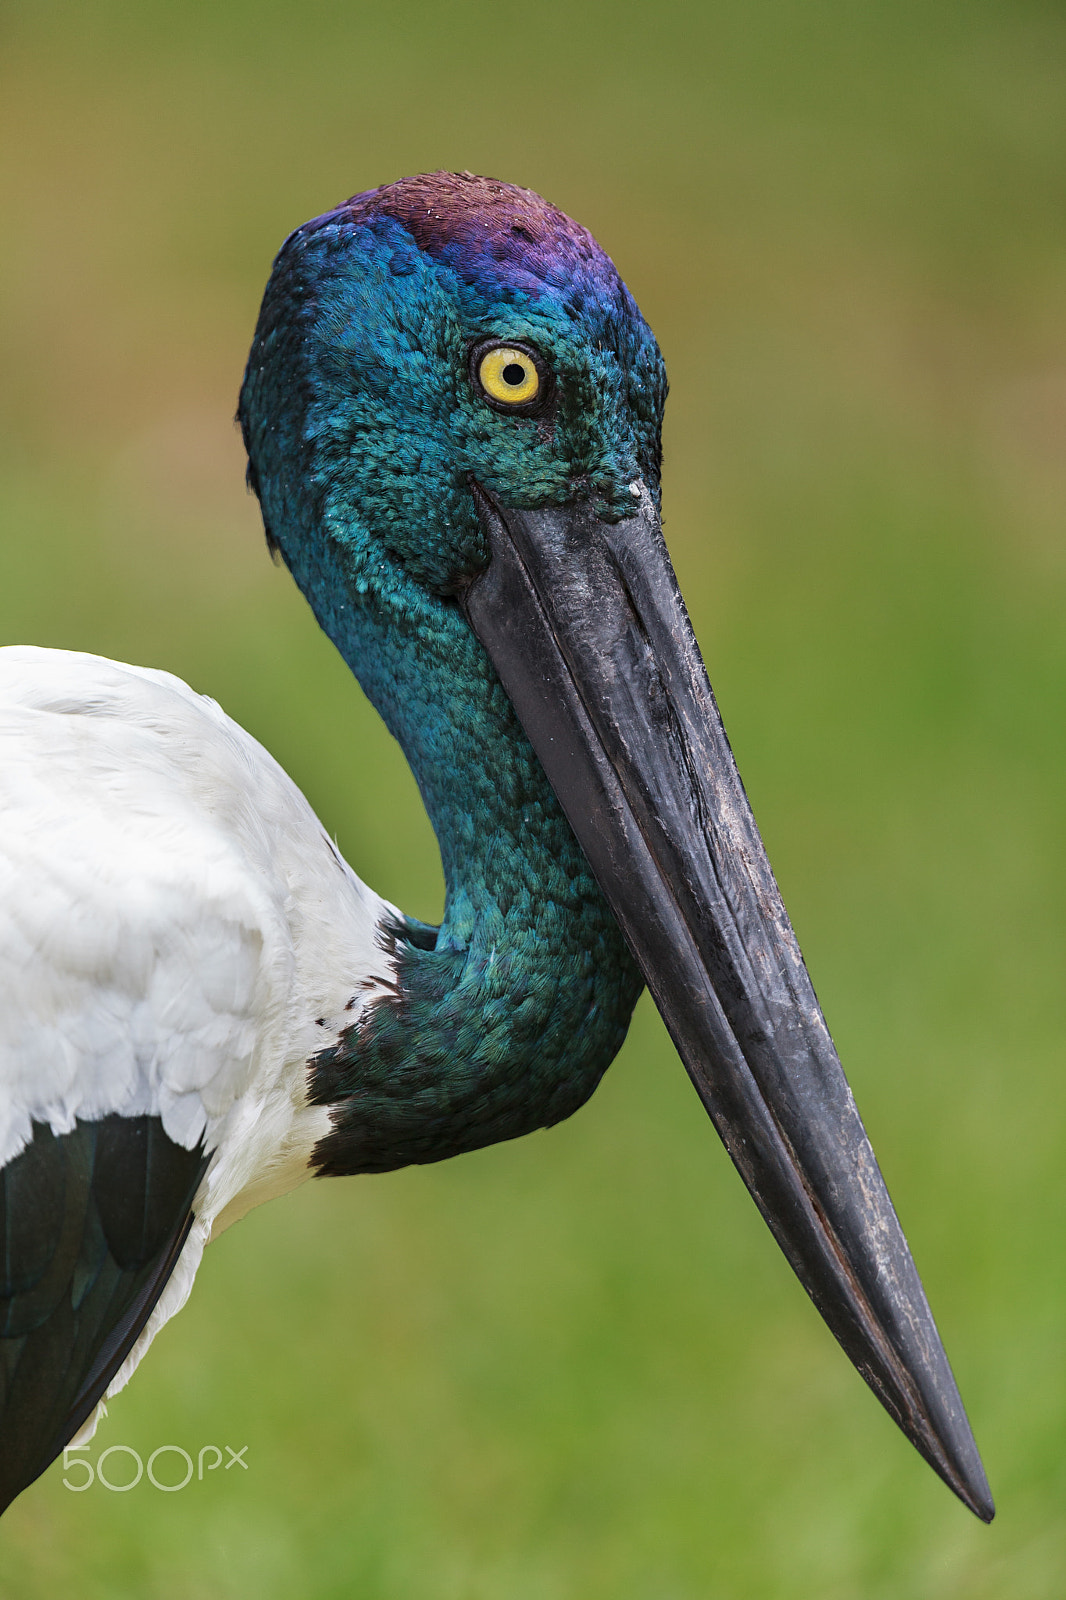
(178, 934)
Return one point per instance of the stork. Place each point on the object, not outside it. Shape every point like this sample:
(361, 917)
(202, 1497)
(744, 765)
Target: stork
(452, 411)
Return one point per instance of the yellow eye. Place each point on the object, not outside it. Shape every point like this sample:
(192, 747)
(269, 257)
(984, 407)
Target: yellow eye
(508, 375)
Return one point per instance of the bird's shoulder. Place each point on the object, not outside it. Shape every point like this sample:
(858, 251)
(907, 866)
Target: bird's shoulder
(174, 921)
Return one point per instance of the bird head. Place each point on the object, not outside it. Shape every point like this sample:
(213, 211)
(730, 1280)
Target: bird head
(436, 332)
(453, 410)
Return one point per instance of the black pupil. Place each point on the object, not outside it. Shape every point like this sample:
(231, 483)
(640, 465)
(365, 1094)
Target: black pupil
(514, 374)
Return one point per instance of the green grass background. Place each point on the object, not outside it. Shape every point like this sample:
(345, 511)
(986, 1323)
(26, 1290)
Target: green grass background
(576, 1368)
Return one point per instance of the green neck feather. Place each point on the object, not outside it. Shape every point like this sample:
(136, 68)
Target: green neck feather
(363, 433)
(505, 1020)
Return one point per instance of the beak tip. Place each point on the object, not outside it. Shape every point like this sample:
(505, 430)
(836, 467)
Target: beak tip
(978, 1495)
(979, 1500)
(963, 1472)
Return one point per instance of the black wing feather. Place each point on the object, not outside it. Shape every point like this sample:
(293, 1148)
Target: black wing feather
(91, 1225)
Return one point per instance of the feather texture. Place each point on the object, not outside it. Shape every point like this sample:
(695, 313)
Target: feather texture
(91, 1224)
(178, 936)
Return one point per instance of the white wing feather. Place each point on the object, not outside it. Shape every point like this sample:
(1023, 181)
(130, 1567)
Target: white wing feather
(174, 924)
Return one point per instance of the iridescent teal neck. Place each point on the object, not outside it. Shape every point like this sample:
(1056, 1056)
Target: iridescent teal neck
(508, 1019)
(363, 431)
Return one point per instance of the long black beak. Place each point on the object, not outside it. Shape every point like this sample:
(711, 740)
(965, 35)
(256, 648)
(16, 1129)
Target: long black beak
(586, 627)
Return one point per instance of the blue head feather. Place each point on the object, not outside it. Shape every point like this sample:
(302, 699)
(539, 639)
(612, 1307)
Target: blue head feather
(363, 432)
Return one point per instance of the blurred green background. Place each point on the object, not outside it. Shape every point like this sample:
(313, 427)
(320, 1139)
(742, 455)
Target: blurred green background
(576, 1368)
